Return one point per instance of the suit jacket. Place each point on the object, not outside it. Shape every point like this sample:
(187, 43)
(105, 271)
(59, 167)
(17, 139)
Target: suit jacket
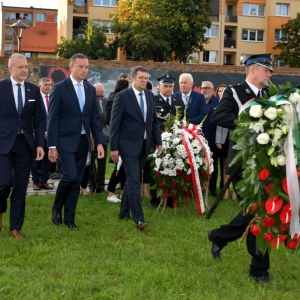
(196, 110)
(65, 118)
(127, 125)
(221, 135)
(163, 108)
(31, 119)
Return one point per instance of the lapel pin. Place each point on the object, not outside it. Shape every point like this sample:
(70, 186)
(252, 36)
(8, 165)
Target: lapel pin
(28, 90)
(247, 91)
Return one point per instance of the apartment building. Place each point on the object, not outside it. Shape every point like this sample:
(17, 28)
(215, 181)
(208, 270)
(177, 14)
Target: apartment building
(38, 40)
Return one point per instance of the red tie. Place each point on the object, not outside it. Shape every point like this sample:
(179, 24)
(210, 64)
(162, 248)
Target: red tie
(47, 100)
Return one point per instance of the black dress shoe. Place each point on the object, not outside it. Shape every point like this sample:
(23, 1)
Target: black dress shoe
(215, 249)
(71, 225)
(56, 217)
(141, 225)
(265, 279)
(99, 190)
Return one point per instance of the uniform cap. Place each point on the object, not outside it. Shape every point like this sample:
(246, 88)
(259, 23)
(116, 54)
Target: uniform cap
(264, 60)
(167, 79)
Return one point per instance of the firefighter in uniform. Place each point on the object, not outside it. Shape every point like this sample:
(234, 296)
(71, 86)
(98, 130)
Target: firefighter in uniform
(258, 70)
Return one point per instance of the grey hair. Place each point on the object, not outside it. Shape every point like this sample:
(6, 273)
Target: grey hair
(12, 58)
(43, 79)
(188, 75)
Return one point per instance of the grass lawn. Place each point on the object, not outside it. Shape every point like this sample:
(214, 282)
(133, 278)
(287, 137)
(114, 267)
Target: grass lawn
(110, 259)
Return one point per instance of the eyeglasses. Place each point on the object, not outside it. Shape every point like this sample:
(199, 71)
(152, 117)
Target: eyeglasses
(205, 88)
(141, 78)
(100, 96)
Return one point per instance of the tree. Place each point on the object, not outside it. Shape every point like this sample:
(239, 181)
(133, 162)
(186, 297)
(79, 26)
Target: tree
(290, 42)
(161, 30)
(93, 46)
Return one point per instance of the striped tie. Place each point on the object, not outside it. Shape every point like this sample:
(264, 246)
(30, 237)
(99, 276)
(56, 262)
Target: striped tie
(20, 106)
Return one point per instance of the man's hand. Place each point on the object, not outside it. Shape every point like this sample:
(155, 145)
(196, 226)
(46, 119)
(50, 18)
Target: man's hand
(52, 155)
(39, 153)
(219, 146)
(100, 151)
(114, 156)
(158, 149)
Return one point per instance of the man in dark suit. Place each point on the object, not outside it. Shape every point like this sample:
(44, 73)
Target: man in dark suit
(73, 115)
(195, 102)
(101, 163)
(133, 125)
(40, 170)
(258, 70)
(22, 130)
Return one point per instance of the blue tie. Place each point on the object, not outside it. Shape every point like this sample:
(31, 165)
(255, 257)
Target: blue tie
(142, 105)
(80, 99)
(20, 106)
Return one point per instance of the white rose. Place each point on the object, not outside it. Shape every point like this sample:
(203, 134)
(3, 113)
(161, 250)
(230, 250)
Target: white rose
(271, 113)
(256, 111)
(277, 133)
(176, 141)
(280, 160)
(263, 138)
(294, 97)
(288, 109)
(257, 127)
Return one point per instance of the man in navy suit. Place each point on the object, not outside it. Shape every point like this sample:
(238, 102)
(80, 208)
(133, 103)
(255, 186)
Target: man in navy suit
(40, 169)
(22, 128)
(195, 102)
(133, 125)
(73, 115)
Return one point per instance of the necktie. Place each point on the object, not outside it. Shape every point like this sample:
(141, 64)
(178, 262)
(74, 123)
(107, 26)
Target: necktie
(80, 96)
(168, 101)
(47, 100)
(20, 106)
(186, 100)
(259, 93)
(142, 104)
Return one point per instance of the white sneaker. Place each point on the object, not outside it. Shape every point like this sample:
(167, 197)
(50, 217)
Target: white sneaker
(114, 199)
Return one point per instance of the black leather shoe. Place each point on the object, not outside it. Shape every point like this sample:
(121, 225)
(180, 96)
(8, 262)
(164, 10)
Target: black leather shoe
(99, 190)
(265, 279)
(141, 225)
(56, 217)
(71, 225)
(215, 250)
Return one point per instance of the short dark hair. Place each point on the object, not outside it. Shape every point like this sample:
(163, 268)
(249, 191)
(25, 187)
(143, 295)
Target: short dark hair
(149, 85)
(77, 55)
(123, 76)
(136, 69)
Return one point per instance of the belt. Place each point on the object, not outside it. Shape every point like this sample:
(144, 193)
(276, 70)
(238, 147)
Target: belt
(82, 135)
(20, 134)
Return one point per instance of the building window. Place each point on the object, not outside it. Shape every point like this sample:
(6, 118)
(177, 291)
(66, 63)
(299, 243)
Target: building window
(279, 36)
(210, 56)
(10, 16)
(106, 24)
(282, 9)
(105, 2)
(55, 18)
(212, 31)
(41, 17)
(27, 17)
(278, 62)
(252, 35)
(253, 9)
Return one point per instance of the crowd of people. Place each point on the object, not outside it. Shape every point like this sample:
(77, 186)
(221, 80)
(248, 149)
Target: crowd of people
(63, 124)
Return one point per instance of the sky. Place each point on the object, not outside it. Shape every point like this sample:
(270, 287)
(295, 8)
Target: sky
(34, 3)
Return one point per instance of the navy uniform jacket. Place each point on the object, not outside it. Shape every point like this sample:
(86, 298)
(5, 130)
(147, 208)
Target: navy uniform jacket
(31, 119)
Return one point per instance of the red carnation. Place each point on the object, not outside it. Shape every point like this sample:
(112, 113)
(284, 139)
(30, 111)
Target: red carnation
(187, 193)
(264, 174)
(284, 185)
(269, 187)
(292, 244)
(178, 171)
(255, 230)
(173, 184)
(187, 178)
(268, 222)
(273, 205)
(268, 236)
(161, 185)
(286, 214)
(158, 174)
(179, 187)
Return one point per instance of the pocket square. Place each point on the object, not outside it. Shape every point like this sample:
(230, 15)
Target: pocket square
(31, 100)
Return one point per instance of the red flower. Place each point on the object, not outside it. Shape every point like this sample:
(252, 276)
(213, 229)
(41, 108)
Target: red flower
(178, 172)
(264, 174)
(283, 227)
(179, 187)
(268, 222)
(158, 174)
(292, 244)
(187, 193)
(255, 230)
(298, 172)
(284, 185)
(278, 240)
(173, 184)
(186, 202)
(269, 187)
(286, 214)
(161, 185)
(273, 205)
(268, 236)
(254, 207)
(175, 198)
(187, 178)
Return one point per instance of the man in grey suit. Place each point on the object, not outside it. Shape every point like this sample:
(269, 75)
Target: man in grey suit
(132, 128)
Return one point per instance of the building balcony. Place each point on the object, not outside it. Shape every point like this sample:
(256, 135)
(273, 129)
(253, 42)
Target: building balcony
(12, 21)
(231, 19)
(80, 7)
(229, 43)
(214, 18)
(8, 37)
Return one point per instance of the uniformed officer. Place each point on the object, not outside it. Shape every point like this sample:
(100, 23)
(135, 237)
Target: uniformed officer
(258, 71)
(166, 103)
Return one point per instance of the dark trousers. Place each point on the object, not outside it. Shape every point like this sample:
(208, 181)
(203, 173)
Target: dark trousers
(85, 178)
(131, 198)
(116, 177)
(73, 166)
(15, 169)
(234, 230)
(101, 168)
(214, 175)
(147, 172)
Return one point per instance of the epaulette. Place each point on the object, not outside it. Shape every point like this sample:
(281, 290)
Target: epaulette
(176, 98)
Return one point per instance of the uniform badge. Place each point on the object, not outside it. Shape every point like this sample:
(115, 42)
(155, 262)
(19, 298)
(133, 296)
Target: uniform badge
(247, 91)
